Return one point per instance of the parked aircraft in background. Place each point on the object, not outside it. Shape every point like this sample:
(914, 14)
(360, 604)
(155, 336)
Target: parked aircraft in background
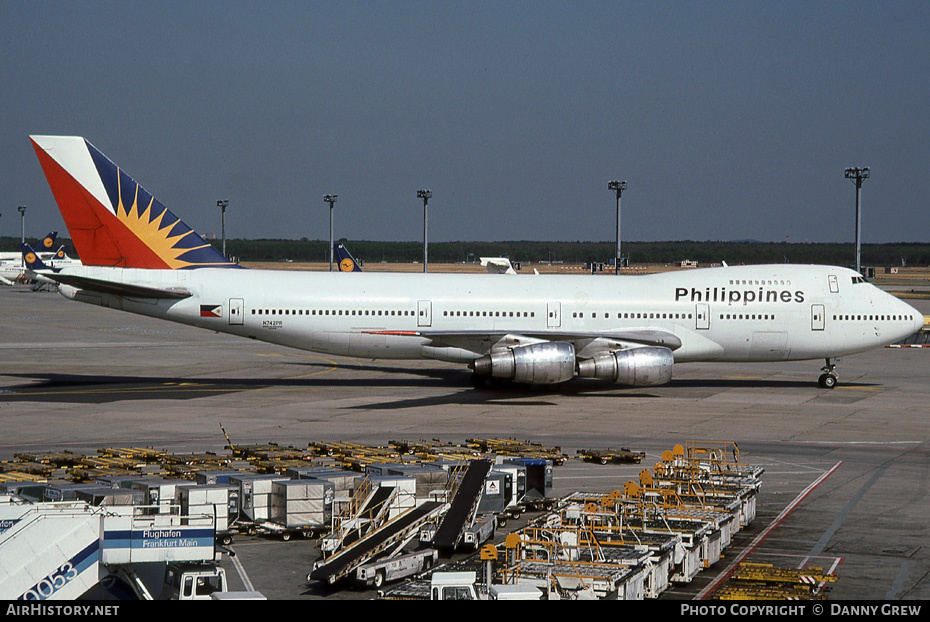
(497, 265)
(345, 260)
(30, 265)
(631, 330)
(38, 271)
(44, 245)
(12, 267)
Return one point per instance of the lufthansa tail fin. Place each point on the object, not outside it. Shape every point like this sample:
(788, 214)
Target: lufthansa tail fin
(32, 261)
(345, 260)
(112, 220)
(48, 242)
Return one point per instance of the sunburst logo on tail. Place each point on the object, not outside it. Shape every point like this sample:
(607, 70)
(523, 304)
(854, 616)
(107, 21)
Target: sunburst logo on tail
(112, 219)
(155, 229)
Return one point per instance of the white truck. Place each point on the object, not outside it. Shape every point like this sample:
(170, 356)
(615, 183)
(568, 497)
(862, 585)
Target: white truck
(481, 531)
(193, 581)
(461, 586)
(394, 568)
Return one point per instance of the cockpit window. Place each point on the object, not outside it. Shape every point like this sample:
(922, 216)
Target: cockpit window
(858, 279)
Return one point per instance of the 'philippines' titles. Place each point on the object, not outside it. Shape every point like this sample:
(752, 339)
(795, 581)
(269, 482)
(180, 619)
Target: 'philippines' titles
(737, 296)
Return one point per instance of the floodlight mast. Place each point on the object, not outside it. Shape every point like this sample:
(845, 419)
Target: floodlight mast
(22, 213)
(330, 198)
(618, 187)
(222, 205)
(425, 195)
(858, 174)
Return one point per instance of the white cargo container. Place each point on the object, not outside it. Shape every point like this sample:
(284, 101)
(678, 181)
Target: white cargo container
(301, 503)
(406, 496)
(202, 505)
(429, 477)
(159, 493)
(255, 491)
(103, 495)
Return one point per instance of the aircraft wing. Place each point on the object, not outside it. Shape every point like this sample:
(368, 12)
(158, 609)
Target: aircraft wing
(117, 289)
(586, 344)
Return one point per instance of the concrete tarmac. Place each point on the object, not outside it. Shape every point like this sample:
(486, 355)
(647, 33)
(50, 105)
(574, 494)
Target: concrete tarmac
(852, 461)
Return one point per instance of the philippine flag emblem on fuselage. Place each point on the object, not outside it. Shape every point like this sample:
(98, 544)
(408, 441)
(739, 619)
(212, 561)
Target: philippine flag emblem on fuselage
(211, 310)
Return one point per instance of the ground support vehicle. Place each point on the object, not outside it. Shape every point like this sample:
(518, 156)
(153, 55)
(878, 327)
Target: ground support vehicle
(481, 530)
(612, 456)
(193, 581)
(391, 536)
(380, 572)
(463, 585)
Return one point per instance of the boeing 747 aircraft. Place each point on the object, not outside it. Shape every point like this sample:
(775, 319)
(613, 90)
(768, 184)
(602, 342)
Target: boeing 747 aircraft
(631, 330)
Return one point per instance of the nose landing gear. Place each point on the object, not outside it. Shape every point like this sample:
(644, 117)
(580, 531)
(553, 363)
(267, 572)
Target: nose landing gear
(829, 377)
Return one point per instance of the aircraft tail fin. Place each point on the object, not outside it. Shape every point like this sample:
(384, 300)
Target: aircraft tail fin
(47, 242)
(32, 261)
(344, 259)
(112, 220)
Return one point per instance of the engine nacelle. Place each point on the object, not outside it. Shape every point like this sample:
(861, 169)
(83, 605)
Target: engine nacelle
(638, 367)
(549, 362)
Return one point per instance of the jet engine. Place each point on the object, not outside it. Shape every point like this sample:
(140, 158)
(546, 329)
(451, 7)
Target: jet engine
(638, 367)
(549, 362)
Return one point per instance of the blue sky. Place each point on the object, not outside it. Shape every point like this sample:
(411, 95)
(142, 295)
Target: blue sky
(728, 120)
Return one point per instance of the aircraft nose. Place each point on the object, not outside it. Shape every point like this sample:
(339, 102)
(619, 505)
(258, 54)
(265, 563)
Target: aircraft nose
(918, 317)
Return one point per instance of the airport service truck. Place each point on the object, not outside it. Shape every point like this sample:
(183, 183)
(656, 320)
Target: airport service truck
(463, 586)
(481, 531)
(193, 581)
(395, 568)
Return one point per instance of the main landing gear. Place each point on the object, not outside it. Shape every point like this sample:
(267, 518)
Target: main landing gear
(829, 377)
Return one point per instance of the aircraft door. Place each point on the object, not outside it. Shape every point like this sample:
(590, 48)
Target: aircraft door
(818, 321)
(424, 313)
(834, 285)
(702, 316)
(235, 311)
(554, 314)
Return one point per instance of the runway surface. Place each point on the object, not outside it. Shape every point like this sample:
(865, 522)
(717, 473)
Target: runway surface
(79, 378)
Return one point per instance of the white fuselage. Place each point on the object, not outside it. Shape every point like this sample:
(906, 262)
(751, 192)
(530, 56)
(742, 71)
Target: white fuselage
(740, 313)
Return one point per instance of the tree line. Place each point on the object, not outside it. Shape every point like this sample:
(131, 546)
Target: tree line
(578, 252)
(528, 252)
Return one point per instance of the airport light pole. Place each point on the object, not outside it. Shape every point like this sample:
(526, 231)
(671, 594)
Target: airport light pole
(618, 187)
(857, 175)
(22, 213)
(330, 198)
(222, 205)
(425, 195)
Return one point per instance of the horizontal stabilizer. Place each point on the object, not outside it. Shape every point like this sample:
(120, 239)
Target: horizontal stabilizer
(118, 289)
